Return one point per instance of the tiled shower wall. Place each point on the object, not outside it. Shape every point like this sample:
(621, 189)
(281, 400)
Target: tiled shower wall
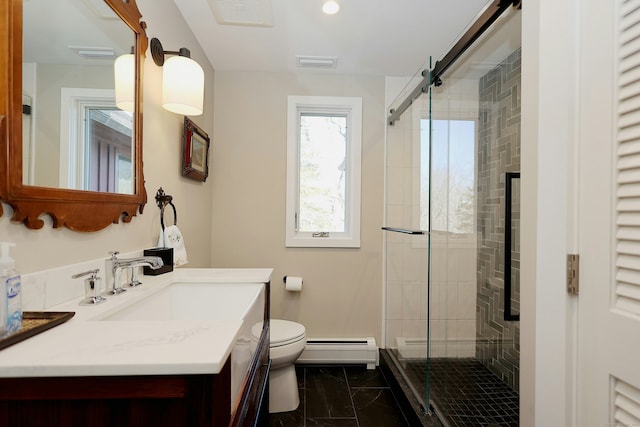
(497, 340)
(453, 266)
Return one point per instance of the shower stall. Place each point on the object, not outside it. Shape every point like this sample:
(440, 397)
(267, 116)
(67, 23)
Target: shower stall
(452, 230)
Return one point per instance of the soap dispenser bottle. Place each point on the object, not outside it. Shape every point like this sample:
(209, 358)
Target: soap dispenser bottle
(10, 288)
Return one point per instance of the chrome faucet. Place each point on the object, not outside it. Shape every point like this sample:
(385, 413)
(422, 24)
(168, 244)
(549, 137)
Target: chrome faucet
(115, 265)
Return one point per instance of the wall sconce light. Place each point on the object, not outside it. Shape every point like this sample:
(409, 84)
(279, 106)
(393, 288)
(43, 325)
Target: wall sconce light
(125, 79)
(182, 80)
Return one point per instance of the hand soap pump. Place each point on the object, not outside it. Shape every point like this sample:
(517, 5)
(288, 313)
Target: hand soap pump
(10, 298)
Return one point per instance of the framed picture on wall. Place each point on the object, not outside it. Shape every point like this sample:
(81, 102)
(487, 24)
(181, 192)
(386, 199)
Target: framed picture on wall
(195, 151)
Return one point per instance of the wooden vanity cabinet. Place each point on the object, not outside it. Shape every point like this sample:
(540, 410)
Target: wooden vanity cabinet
(173, 400)
(142, 400)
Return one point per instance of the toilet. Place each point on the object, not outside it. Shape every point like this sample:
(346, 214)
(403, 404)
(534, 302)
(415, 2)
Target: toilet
(287, 342)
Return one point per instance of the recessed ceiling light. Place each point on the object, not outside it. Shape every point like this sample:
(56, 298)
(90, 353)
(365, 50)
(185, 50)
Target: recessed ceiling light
(330, 7)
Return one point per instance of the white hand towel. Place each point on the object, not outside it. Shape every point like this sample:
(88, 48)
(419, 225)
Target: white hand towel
(172, 238)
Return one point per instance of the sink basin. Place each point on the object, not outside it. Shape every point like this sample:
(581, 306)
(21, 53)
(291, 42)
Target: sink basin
(193, 301)
(202, 300)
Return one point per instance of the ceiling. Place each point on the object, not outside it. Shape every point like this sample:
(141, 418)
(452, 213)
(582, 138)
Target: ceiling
(370, 37)
(54, 31)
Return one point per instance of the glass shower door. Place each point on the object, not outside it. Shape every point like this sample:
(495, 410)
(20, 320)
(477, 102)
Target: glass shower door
(474, 268)
(452, 294)
(407, 246)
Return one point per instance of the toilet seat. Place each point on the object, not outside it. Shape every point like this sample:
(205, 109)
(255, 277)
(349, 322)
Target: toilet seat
(281, 332)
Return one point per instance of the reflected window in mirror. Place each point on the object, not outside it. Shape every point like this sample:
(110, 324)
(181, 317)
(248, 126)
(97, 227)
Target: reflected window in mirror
(107, 147)
(94, 134)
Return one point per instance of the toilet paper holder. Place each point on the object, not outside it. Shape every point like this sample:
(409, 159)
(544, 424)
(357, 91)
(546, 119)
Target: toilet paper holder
(296, 285)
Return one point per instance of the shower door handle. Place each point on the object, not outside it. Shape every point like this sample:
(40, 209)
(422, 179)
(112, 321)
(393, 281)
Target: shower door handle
(508, 196)
(404, 230)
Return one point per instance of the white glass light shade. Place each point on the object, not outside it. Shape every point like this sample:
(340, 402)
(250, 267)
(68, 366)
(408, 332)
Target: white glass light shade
(330, 7)
(182, 86)
(125, 79)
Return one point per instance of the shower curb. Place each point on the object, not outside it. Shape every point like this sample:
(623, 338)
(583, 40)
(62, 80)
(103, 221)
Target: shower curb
(411, 408)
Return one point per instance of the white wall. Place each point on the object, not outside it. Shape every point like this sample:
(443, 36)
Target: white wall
(46, 248)
(549, 96)
(342, 291)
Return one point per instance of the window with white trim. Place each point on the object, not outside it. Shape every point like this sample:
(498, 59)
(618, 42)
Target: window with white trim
(323, 171)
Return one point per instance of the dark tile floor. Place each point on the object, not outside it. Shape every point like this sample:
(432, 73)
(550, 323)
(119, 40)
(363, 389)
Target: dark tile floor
(467, 393)
(336, 396)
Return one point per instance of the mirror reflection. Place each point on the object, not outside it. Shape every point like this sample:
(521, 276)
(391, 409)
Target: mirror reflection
(74, 135)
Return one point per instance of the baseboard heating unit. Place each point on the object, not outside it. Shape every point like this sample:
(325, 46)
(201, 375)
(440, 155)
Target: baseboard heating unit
(344, 351)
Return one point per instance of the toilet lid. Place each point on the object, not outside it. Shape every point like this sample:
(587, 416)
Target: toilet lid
(281, 332)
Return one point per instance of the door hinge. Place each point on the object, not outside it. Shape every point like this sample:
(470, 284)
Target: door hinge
(573, 274)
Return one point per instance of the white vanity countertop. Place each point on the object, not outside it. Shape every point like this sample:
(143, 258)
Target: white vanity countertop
(85, 346)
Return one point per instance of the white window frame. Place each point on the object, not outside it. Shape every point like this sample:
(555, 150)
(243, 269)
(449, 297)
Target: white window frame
(352, 108)
(73, 103)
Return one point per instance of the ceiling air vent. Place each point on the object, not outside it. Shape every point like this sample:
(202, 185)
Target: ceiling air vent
(89, 52)
(316, 61)
(255, 13)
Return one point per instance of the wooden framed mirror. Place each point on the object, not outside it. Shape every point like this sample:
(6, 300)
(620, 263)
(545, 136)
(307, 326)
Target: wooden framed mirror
(81, 206)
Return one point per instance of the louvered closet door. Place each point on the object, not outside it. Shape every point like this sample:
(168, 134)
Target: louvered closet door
(609, 215)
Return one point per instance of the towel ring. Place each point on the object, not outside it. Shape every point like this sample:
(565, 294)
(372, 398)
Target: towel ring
(162, 200)
(175, 215)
